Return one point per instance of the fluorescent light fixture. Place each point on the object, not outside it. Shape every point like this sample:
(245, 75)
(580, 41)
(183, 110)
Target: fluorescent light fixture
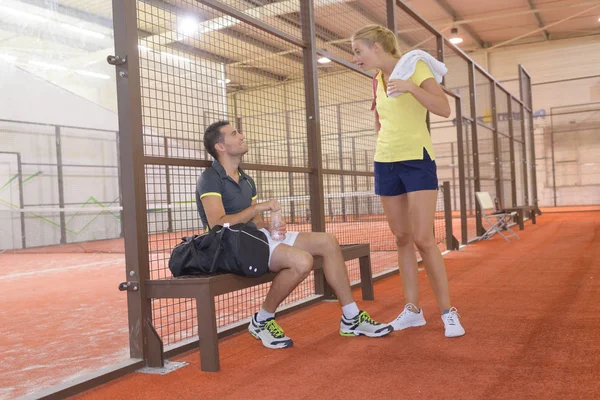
(7, 57)
(22, 14)
(92, 74)
(48, 66)
(188, 25)
(174, 57)
(454, 38)
(589, 164)
(324, 60)
(144, 48)
(83, 31)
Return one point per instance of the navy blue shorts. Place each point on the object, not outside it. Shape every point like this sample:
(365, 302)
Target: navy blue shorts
(396, 178)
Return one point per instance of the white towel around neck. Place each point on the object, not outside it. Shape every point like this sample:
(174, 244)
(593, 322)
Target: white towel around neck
(407, 64)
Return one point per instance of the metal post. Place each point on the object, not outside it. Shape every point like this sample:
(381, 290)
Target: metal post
(259, 176)
(355, 181)
(313, 119)
(369, 201)
(453, 170)
(328, 188)
(496, 143)
(468, 145)
(205, 123)
(524, 156)
(440, 53)
(21, 201)
(306, 185)
(390, 8)
(61, 187)
(461, 172)
(531, 130)
(288, 134)
(119, 183)
(132, 176)
(553, 158)
(478, 222)
(338, 111)
(168, 183)
(513, 172)
(450, 242)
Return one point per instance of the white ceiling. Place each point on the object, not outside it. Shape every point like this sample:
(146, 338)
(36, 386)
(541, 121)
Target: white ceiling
(76, 35)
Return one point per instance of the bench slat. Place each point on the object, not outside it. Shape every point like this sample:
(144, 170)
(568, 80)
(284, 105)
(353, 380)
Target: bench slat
(188, 287)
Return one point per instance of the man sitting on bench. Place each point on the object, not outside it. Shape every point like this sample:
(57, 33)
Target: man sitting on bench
(226, 194)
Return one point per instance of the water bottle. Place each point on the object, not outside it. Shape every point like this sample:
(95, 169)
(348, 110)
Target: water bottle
(276, 223)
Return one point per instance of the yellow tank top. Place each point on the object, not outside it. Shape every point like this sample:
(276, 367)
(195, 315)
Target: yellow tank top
(403, 133)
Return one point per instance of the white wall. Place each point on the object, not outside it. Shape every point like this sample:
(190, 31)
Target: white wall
(27, 97)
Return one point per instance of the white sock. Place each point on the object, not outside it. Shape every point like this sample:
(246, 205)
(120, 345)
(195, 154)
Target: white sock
(263, 315)
(350, 310)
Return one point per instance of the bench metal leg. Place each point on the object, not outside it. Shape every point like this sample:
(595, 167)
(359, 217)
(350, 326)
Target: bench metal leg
(155, 356)
(207, 331)
(521, 214)
(322, 287)
(366, 278)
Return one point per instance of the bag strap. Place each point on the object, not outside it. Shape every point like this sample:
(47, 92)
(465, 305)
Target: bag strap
(374, 103)
(219, 238)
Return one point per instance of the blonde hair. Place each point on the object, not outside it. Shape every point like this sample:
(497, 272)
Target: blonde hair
(378, 34)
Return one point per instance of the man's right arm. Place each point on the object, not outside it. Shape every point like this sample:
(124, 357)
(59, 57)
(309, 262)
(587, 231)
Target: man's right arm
(215, 212)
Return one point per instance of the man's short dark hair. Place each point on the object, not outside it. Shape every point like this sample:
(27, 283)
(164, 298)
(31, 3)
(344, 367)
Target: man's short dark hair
(212, 136)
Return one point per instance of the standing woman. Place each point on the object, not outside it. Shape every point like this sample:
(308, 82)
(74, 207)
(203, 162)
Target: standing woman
(405, 170)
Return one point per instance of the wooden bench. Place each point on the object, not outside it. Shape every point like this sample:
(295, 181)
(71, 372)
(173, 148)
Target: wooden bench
(520, 210)
(204, 289)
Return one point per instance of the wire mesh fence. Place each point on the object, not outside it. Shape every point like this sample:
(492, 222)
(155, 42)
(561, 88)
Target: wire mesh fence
(200, 62)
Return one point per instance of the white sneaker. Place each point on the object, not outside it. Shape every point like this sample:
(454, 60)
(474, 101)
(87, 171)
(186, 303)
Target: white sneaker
(452, 324)
(363, 324)
(408, 318)
(270, 333)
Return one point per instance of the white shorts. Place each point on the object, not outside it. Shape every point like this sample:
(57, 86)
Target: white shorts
(290, 239)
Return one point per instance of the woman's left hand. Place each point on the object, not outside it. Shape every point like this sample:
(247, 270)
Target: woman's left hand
(399, 86)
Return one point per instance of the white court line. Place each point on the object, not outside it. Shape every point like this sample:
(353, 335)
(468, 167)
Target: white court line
(52, 270)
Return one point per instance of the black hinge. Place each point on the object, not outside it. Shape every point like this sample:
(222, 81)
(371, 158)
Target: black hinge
(128, 286)
(116, 60)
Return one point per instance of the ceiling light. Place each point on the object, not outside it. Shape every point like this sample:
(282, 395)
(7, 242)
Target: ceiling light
(22, 14)
(188, 26)
(48, 66)
(7, 57)
(92, 74)
(324, 60)
(454, 38)
(82, 31)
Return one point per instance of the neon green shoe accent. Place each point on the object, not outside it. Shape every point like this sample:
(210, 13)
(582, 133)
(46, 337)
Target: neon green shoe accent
(274, 328)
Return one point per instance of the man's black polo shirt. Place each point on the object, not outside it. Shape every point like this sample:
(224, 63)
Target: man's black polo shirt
(236, 197)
